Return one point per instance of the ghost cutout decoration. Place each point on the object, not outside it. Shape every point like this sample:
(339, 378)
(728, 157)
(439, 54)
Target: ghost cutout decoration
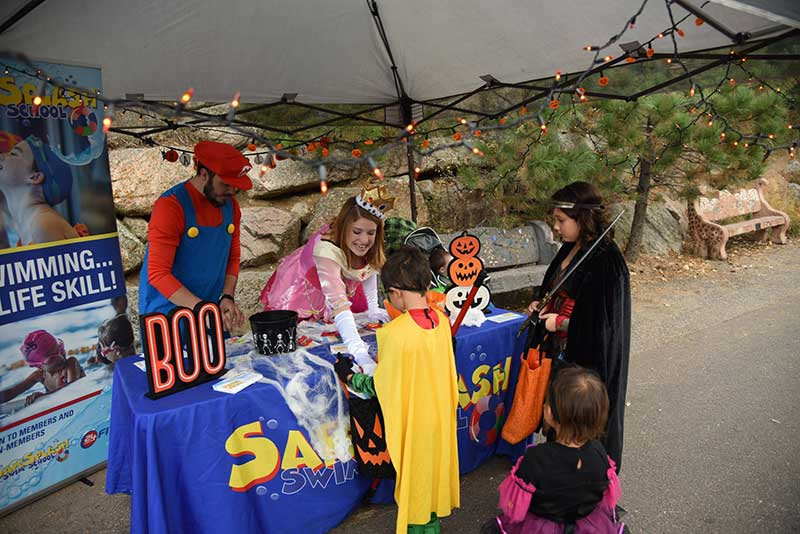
(457, 295)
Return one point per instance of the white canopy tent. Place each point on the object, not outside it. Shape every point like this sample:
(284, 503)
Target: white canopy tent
(377, 53)
(331, 51)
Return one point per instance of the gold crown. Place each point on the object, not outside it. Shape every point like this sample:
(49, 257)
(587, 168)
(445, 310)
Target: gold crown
(375, 199)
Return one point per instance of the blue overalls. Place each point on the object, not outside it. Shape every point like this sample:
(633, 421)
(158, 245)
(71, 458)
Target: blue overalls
(200, 260)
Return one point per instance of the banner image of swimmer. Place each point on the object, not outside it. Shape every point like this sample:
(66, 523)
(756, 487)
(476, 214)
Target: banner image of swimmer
(63, 304)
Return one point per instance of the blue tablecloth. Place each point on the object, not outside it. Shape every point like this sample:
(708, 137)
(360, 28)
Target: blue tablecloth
(170, 454)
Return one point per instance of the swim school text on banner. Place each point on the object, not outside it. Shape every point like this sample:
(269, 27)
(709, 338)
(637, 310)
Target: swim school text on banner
(43, 280)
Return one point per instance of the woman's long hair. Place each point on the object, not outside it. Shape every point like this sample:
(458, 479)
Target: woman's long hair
(349, 214)
(592, 221)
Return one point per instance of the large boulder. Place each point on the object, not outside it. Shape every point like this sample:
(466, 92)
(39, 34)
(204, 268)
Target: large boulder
(267, 234)
(139, 176)
(663, 231)
(138, 227)
(130, 247)
(248, 291)
(301, 205)
(291, 176)
(794, 189)
(132, 289)
(329, 206)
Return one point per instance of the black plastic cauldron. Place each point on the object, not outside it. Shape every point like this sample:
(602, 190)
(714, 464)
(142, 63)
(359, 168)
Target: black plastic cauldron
(274, 331)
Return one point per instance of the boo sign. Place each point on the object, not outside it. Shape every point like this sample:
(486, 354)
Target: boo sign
(182, 349)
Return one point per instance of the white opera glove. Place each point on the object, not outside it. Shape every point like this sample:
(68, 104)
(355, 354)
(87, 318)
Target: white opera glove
(346, 325)
(374, 312)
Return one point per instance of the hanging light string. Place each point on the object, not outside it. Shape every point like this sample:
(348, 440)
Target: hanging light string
(465, 133)
(747, 140)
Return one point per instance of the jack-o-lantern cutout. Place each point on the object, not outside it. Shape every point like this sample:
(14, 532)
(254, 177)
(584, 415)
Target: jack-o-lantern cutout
(464, 271)
(369, 440)
(465, 246)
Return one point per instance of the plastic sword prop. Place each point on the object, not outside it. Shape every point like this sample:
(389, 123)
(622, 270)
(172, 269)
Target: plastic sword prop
(534, 316)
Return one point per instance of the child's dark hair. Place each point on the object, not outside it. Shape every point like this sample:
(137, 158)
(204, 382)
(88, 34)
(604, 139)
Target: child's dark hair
(579, 403)
(439, 258)
(407, 268)
(592, 221)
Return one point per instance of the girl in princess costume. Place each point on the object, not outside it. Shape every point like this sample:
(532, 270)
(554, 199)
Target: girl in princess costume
(335, 274)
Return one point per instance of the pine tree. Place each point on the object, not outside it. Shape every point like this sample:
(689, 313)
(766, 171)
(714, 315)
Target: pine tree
(669, 143)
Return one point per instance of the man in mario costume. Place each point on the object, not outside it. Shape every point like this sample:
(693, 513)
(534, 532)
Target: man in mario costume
(193, 237)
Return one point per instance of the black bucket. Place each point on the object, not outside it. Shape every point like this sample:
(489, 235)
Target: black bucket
(274, 331)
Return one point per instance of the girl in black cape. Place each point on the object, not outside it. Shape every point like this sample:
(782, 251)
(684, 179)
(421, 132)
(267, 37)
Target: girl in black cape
(588, 322)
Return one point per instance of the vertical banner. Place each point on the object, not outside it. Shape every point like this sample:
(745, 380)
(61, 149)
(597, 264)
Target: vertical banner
(63, 309)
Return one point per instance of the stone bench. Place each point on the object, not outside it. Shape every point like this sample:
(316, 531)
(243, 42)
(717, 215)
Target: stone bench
(515, 259)
(707, 216)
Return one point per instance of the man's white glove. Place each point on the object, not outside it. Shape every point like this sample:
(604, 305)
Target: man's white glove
(374, 312)
(346, 325)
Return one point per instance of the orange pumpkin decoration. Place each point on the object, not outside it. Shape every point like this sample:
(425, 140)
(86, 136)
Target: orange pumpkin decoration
(356, 153)
(603, 81)
(630, 60)
(465, 246)
(251, 147)
(325, 152)
(457, 136)
(369, 142)
(426, 143)
(464, 271)
(553, 104)
(503, 120)
(650, 52)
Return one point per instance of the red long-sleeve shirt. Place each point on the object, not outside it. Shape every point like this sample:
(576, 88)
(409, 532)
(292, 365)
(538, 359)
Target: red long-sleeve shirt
(167, 225)
(562, 305)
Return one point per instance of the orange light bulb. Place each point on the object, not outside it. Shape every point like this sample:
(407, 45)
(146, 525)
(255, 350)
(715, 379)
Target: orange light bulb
(187, 96)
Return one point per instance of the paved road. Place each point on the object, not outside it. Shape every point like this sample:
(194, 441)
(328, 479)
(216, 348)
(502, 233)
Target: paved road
(711, 431)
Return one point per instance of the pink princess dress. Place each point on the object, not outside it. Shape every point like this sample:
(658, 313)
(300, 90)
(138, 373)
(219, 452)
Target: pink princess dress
(314, 280)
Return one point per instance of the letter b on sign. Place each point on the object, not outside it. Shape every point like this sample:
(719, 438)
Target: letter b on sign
(182, 349)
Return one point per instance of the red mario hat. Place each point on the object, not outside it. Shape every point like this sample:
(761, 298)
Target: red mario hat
(226, 162)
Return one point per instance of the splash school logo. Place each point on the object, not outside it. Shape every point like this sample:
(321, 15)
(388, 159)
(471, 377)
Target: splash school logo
(297, 465)
(58, 451)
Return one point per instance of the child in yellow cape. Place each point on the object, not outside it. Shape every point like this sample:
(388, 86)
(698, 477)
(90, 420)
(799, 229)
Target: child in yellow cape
(416, 385)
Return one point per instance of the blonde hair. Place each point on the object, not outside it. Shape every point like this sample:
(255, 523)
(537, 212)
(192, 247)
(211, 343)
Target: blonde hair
(348, 215)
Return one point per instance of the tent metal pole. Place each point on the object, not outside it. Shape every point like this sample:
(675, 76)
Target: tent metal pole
(445, 107)
(20, 14)
(451, 105)
(735, 37)
(405, 105)
(718, 62)
(754, 57)
(340, 115)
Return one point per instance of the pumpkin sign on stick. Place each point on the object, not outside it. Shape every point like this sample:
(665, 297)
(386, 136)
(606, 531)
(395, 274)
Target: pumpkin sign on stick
(463, 271)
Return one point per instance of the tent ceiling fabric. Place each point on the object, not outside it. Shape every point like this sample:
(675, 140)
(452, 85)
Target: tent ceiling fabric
(780, 11)
(330, 51)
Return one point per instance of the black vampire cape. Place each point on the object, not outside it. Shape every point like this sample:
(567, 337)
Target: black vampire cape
(600, 326)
